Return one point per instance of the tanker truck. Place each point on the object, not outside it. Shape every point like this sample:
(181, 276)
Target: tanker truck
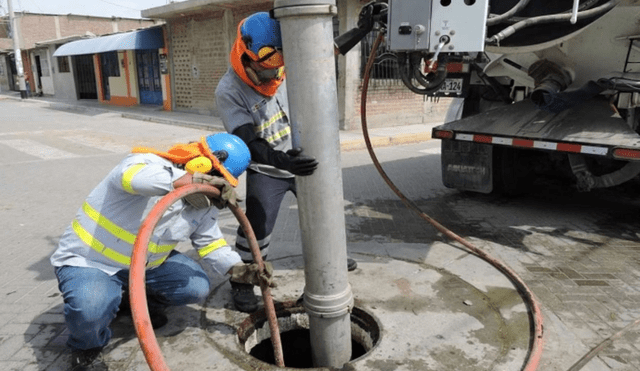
(538, 86)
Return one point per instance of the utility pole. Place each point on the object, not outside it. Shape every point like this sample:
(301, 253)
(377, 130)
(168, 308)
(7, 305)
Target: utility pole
(16, 50)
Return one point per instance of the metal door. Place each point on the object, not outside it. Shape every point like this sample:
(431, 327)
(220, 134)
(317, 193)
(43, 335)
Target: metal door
(110, 67)
(149, 77)
(85, 77)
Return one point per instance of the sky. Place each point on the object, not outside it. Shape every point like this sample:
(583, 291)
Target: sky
(100, 8)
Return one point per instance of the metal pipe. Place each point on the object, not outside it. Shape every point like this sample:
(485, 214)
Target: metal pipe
(15, 35)
(307, 40)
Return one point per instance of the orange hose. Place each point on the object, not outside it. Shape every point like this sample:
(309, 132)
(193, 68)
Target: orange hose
(137, 291)
(535, 351)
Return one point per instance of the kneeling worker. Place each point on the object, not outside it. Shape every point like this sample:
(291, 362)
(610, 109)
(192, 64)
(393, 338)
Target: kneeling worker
(93, 257)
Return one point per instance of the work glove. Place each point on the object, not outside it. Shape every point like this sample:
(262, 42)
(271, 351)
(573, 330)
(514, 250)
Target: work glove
(200, 201)
(250, 273)
(295, 163)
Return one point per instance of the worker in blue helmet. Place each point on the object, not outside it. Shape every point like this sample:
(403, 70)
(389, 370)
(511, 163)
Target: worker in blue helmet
(92, 259)
(252, 102)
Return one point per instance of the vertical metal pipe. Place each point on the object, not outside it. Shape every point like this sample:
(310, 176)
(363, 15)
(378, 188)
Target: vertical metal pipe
(307, 38)
(15, 35)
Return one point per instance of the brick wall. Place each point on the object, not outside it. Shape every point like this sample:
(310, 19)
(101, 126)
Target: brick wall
(4, 27)
(394, 104)
(34, 28)
(132, 24)
(242, 12)
(199, 60)
(39, 27)
(200, 56)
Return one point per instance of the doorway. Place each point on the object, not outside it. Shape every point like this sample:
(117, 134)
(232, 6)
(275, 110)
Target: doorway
(149, 77)
(110, 67)
(85, 77)
(38, 81)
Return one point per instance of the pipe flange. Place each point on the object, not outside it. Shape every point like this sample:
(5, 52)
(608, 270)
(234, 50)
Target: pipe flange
(329, 306)
(289, 8)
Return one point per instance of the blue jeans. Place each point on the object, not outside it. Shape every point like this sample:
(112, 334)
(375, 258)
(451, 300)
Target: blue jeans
(91, 297)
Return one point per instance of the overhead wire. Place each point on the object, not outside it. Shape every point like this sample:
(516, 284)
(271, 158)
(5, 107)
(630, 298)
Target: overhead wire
(118, 5)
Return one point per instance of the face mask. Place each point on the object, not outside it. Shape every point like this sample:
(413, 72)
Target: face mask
(271, 74)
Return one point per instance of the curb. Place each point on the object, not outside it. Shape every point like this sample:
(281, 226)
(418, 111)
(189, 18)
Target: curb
(384, 141)
(189, 124)
(346, 145)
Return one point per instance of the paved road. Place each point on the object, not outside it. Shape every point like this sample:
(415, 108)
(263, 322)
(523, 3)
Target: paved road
(578, 252)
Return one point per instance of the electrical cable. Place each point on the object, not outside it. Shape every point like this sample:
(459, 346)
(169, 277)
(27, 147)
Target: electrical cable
(508, 14)
(589, 356)
(405, 66)
(137, 292)
(583, 6)
(535, 351)
(508, 31)
(118, 5)
(622, 84)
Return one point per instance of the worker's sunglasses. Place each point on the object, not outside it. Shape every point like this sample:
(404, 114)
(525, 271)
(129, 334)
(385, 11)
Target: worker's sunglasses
(270, 57)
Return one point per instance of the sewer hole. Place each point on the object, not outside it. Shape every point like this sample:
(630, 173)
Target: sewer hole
(296, 349)
(293, 322)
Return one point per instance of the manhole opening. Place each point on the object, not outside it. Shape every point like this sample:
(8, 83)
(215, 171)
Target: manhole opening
(255, 336)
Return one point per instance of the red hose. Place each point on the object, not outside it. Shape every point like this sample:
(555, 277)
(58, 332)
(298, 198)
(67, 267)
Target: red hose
(535, 353)
(137, 292)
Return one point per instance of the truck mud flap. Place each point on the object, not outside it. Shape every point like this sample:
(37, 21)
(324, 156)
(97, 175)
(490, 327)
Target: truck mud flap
(467, 166)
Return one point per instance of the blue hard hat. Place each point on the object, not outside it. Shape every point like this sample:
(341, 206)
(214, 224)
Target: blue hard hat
(231, 151)
(260, 30)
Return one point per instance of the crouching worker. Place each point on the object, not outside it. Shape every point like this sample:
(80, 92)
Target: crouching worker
(93, 257)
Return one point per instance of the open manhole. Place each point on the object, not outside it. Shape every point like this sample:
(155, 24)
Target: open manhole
(254, 335)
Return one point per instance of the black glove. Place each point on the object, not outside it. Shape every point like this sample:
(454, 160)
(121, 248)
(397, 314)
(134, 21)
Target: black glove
(370, 13)
(295, 163)
(262, 153)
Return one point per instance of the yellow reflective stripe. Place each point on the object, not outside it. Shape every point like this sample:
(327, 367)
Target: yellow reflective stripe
(157, 262)
(275, 118)
(279, 134)
(128, 175)
(215, 245)
(119, 232)
(98, 246)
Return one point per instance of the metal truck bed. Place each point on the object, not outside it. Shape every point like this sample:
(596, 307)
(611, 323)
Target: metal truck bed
(592, 125)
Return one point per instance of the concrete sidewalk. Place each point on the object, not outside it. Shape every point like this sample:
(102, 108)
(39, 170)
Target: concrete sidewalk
(349, 140)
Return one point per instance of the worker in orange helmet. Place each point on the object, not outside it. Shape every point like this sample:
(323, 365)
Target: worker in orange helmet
(252, 102)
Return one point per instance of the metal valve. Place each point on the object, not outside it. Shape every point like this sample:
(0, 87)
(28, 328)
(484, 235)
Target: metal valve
(444, 40)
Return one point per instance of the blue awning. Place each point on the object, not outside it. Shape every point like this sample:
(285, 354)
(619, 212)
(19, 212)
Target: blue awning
(144, 39)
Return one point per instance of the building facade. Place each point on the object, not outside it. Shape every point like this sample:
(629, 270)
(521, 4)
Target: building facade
(123, 69)
(40, 35)
(200, 34)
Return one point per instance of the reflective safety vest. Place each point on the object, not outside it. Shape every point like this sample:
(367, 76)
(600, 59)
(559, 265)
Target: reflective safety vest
(105, 227)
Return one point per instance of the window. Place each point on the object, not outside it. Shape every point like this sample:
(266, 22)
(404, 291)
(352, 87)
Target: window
(385, 65)
(110, 65)
(63, 64)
